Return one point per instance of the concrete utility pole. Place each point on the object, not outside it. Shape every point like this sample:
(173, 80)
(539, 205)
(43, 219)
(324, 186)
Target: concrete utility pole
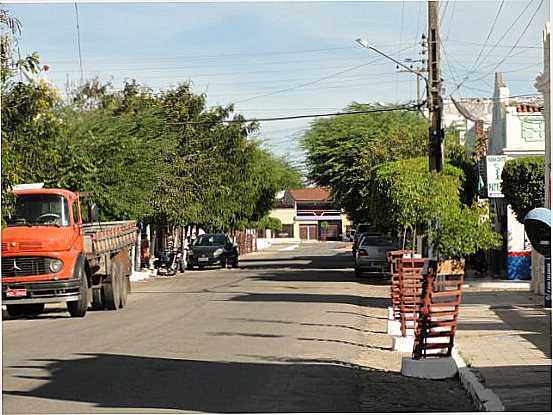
(435, 103)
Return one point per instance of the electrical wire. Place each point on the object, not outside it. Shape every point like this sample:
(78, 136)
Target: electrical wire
(79, 42)
(508, 55)
(492, 27)
(312, 82)
(466, 78)
(294, 117)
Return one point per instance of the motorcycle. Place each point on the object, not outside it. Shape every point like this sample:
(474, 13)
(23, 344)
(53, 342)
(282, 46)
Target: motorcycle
(170, 261)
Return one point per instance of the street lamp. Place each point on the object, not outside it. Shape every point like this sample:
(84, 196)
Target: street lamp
(365, 44)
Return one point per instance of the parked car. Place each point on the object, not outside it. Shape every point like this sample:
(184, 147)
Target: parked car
(371, 255)
(361, 232)
(213, 249)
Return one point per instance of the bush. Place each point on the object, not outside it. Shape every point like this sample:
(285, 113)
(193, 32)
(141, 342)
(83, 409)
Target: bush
(463, 231)
(410, 196)
(523, 184)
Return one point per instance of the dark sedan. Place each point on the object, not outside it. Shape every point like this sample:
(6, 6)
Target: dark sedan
(213, 249)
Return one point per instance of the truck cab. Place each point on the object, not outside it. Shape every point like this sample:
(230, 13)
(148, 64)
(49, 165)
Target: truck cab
(41, 245)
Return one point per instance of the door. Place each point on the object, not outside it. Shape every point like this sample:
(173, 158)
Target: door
(308, 232)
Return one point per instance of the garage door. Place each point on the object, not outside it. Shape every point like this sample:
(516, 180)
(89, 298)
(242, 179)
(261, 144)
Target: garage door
(308, 232)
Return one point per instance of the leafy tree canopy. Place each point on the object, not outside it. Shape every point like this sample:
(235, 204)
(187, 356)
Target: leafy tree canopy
(523, 184)
(343, 151)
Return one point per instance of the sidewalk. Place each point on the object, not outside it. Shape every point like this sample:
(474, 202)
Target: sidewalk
(504, 336)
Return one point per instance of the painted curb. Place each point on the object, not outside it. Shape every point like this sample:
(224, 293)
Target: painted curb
(484, 398)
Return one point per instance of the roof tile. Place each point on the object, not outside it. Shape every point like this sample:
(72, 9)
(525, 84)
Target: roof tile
(310, 193)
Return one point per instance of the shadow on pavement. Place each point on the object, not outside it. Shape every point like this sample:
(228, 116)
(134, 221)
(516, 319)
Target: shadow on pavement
(516, 312)
(335, 261)
(314, 298)
(520, 388)
(119, 381)
(340, 326)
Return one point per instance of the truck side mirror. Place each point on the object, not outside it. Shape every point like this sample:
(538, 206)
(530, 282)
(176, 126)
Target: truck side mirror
(94, 212)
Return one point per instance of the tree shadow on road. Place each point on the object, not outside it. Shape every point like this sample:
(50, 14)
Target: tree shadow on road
(122, 381)
(376, 302)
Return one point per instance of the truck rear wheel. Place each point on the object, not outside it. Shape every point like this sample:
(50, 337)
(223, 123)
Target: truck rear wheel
(112, 287)
(78, 308)
(97, 301)
(124, 290)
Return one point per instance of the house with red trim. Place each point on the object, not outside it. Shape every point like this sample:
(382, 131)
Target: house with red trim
(309, 214)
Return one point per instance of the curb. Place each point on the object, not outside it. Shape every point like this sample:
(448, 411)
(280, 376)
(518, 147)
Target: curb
(485, 399)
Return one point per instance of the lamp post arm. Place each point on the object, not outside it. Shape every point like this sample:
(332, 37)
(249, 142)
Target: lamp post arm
(367, 46)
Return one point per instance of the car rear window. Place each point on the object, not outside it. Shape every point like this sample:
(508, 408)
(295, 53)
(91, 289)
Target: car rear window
(368, 241)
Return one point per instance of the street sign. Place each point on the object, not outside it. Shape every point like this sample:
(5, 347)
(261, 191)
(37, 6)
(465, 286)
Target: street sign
(494, 167)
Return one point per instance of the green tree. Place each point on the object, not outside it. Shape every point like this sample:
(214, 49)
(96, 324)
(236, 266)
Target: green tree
(343, 151)
(523, 184)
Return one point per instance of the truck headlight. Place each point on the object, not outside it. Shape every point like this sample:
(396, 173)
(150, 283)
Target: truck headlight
(56, 265)
(218, 252)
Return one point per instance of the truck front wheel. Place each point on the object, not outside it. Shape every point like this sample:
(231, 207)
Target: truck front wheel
(15, 310)
(78, 308)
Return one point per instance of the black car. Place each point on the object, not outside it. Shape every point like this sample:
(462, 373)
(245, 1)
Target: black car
(213, 249)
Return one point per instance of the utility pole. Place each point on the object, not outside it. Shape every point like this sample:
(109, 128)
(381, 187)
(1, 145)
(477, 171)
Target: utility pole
(434, 99)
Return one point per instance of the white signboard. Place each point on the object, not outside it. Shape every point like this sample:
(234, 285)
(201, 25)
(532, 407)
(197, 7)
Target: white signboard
(494, 167)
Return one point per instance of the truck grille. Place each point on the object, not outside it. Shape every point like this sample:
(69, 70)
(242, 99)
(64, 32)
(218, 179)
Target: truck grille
(25, 265)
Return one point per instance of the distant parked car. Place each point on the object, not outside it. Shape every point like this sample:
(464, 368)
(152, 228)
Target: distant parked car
(361, 232)
(213, 249)
(371, 255)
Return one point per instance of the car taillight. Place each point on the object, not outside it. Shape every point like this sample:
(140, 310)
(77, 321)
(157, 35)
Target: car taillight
(363, 253)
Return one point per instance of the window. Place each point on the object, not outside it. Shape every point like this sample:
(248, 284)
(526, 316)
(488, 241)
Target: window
(211, 240)
(45, 209)
(75, 208)
(287, 231)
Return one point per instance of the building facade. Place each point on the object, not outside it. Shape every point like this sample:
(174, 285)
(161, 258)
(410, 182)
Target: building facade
(517, 130)
(543, 85)
(308, 214)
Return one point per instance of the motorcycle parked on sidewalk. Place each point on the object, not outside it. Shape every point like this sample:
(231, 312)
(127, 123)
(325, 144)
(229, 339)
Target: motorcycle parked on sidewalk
(169, 262)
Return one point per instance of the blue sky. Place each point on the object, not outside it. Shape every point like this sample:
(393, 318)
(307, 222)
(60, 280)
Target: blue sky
(247, 53)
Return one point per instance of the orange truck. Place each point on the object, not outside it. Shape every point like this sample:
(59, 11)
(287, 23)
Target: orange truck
(49, 255)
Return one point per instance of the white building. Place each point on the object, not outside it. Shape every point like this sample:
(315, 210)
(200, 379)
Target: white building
(517, 130)
(543, 85)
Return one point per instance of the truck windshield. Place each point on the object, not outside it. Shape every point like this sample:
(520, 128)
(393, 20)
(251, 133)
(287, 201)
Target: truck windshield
(48, 210)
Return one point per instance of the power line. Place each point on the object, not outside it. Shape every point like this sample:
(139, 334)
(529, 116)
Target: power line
(79, 42)
(492, 27)
(466, 78)
(520, 37)
(496, 45)
(446, 38)
(311, 82)
(294, 117)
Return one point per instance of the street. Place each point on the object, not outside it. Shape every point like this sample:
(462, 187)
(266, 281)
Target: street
(289, 331)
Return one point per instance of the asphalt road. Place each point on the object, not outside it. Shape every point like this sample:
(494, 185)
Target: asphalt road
(289, 331)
